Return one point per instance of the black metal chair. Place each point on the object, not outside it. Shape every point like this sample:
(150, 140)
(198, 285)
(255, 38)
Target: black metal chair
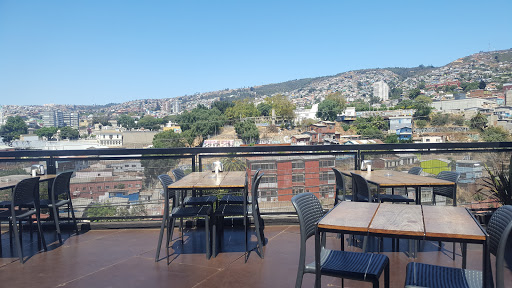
(193, 200)
(499, 230)
(350, 265)
(254, 211)
(25, 194)
(177, 211)
(60, 187)
(341, 192)
(399, 198)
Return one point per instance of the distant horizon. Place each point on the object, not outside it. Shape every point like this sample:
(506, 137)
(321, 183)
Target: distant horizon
(96, 52)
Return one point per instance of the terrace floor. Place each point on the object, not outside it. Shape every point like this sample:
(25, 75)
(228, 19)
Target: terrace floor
(125, 258)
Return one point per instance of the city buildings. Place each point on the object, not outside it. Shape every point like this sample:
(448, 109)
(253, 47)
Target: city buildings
(56, 118)
(381, 90)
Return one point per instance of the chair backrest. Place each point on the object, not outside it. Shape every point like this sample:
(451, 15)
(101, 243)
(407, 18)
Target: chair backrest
(340, 185)
(254, 193)
(166, 180)
(499, 230)
(361, 189)
(26, 192)
(178, 174)
(61, 185)
(309, 209)
(415, 170)
(449, 192)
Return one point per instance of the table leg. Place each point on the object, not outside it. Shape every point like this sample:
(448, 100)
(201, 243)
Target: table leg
(162, 227)
(317, 258)
(485, 263)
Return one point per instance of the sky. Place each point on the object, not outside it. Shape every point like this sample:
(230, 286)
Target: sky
(99, 52)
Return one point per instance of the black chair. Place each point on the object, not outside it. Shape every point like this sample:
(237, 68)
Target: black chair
(239, 199)
(415, 170)
(341, 192)
(60, 188)
(499, 230)
(25, 194)
(350, 265)
(361, 189)
(193, 200)
(231, 206)
(449, 192)
(177, 211)
(254, 211)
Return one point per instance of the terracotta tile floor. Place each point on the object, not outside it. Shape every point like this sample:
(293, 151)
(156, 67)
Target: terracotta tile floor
(125, 258)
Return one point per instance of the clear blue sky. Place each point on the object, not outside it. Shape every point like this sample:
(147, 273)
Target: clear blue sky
(98, 52)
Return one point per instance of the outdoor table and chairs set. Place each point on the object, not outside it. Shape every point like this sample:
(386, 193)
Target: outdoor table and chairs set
(210, 208)
(365, 214)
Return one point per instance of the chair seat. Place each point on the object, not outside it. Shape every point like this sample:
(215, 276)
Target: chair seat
(45, 203)
(350, 265)
(203, 200)
(232, 199)
(230, 210)
(179, 212)
(19, 213)
(395, 198)
(426, 275)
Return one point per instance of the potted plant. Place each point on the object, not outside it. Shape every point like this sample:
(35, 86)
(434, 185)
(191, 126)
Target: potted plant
(498, 185)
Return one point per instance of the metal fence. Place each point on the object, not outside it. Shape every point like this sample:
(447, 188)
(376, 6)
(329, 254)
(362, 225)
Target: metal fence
(122, 184)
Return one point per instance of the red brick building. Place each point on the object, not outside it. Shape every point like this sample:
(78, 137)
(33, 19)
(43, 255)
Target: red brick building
(290, 175)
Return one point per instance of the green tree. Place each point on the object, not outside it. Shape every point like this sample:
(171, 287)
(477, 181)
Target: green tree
(423, 107)
(247, 131)
(391, 139)
(264, 108)
(126, 121)
(168, 139)
(479, 121)
(282, 105)
(396, 93)
(414, 93)
(495, 134)
(201, 121)
(466, 86)
(421, 123)
(328, 110)
(100, 210)
(458, 120)
(242, 109)
(13, 128)
(233, 164)
(439, 119)
(149, 122)
(481, 84)
(338, 98)
(222, 105)
(46, 132)
(69, 133)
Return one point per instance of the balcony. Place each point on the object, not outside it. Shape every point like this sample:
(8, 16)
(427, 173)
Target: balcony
(122, 257)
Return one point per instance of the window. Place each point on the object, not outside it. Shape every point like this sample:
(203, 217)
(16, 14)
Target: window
(107, 187)
(264, 166)
(327, 191)
(298, 165)
(268, 179)
(297, 190)
(83, 188)
(327, 176)
(130, 185)
(99, 187)
(134, 165)
(268, 195)
(326, 163)
(298, 178)
(137, 185)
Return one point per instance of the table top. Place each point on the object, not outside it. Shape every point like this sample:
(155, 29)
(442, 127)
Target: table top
(454, 219)
(211, 180)
(12, 184)
(390, 178)
(401, 220)
(350, 216)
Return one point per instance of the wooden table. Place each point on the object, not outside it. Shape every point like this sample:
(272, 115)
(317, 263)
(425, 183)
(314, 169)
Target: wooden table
(396, 179)
(12, 184)
(202, 181)
(438, 223)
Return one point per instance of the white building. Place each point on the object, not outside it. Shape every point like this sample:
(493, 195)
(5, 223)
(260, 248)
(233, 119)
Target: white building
(60, 119)
(462, 104)
(304, 114)
(381, 90)
(110, 138)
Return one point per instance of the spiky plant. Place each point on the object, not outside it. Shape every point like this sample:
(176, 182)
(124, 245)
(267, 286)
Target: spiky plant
(499, 184)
